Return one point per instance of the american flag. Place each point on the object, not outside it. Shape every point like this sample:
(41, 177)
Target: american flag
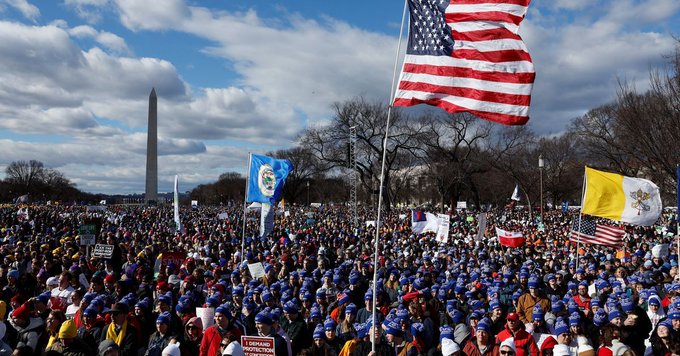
(467, 56)
(599, 234)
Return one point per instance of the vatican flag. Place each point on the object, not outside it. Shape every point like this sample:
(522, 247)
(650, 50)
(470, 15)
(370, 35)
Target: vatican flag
(619, 198)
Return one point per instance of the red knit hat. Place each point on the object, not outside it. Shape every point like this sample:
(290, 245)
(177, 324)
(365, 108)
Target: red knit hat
(21, 312)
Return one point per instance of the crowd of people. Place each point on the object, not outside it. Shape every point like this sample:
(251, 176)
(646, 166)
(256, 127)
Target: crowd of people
(191, 292)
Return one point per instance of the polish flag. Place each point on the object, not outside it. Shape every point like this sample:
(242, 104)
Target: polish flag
(510, 238)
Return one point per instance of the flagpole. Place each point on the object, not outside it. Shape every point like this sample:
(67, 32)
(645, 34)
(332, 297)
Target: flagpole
(677, 212)
(382, 178)
(580, 215)
(245, 201)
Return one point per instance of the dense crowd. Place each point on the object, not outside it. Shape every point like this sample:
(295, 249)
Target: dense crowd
(164, 292)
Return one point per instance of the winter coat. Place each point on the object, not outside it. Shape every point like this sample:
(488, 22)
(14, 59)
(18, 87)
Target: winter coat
(525, 306)
(29, 335)
(524, 342)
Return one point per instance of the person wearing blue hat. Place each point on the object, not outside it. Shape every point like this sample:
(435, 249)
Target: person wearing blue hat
(294, 326)
(395, 338)
(265, 328)
(661, 339)
(582, 299)
(213, 335)
(319, 345)
(528, 300)
(366, 313)
(91, 330)
(482, 341)
(345, 330)
(160, 339)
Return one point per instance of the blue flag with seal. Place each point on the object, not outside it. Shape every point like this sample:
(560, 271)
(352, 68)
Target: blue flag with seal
(267, 176)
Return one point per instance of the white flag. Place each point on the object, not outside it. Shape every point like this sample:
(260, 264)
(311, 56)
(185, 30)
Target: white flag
(266, 220)
(423, 222)
(178, 223)
(517, 193)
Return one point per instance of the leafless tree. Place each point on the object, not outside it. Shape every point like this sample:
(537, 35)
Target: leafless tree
(329, 143)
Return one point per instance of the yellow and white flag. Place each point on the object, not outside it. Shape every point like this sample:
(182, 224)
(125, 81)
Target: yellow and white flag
(620, 198)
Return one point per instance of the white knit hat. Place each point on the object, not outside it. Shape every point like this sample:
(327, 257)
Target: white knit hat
(449, 347)
(171, 350)
(509, 342)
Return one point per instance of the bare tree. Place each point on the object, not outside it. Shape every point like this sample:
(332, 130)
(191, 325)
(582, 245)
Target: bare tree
(329, 143)
(25, 174)
(451, 145)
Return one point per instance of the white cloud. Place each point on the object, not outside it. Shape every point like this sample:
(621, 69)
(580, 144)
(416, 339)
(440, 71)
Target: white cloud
(112, 42)
(88, 10)
(28, 10)
(138, 15)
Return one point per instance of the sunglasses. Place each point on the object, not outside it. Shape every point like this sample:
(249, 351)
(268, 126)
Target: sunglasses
(224, 345)
(507, 352)
(191, 327)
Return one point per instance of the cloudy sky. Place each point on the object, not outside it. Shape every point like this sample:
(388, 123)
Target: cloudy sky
(234, 76)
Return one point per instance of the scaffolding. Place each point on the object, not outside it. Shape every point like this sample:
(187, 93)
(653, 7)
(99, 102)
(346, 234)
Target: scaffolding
(353, 175)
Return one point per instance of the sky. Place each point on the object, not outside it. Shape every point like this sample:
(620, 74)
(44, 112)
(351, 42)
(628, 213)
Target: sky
(236, 76)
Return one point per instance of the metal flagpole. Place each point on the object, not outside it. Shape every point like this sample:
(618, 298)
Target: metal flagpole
(580, 214)
(382, 177)
(677, 212)
(245, 201)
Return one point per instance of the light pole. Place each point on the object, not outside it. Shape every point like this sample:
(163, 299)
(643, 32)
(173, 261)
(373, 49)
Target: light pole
(307, 193)
(541, 164)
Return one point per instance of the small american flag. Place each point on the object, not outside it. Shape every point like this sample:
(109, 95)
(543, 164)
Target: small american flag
(467, 56)
(599, 234)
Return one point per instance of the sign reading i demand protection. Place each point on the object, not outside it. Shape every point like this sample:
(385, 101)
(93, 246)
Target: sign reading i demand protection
(257, 345)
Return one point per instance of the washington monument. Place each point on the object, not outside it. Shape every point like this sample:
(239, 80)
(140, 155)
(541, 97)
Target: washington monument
(151, 195)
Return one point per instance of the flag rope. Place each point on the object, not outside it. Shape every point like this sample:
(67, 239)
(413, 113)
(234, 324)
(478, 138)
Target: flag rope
(382, 177)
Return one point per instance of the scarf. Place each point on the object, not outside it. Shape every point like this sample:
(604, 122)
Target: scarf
(51, 341)
(111, 333)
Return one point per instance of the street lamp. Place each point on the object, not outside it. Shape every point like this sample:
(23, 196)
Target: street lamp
(541, 164)
(307, 193)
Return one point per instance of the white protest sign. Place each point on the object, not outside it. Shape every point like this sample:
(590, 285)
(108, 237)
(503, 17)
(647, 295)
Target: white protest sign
(443, 228)
(256, 270)
(207, 316)
(370, 223)
(461, 205)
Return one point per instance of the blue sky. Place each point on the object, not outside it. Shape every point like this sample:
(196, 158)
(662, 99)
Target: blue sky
(239, 76)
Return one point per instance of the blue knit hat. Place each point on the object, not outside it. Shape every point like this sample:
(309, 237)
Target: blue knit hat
(613, 314)
(484, 325)
(445, 332)
(163, 318)
(393, 328)
(417, 329)
(263, 317)
(600, 318)
(224, 310)
(538, 314)
(290, 308)
(627, 305)
(319, 332)
(351, 308)
(574, 319)
(329, 324)
(561, 327)
(91, 311)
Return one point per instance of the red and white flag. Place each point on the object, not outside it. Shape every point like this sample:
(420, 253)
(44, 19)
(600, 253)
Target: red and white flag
(510, 238)
(467, 56)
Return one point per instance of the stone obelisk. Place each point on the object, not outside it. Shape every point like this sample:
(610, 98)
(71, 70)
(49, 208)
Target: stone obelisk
(151, 195)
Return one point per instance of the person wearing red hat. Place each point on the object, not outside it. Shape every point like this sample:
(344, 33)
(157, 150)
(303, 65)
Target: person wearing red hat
(29, 330)
(524, 342)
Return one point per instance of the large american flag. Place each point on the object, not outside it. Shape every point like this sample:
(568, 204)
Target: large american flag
(599, 234)
(467, 56)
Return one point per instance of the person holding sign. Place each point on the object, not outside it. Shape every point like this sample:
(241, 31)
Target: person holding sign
(263, 323)
(214, 334)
